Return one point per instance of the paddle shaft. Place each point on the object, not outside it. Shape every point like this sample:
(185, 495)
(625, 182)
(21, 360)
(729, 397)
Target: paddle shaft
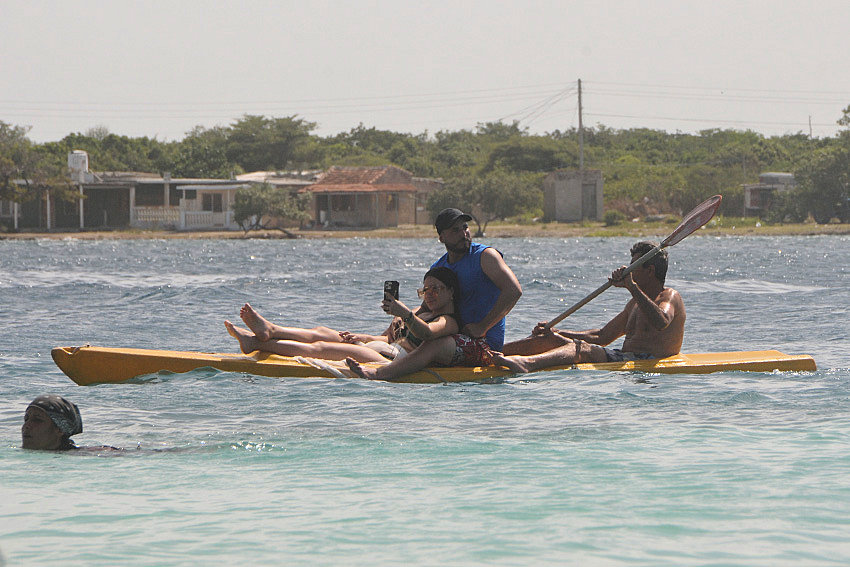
(633, 266)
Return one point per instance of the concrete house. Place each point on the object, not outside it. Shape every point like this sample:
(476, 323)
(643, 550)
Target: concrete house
(129, 199)
(572, 195)
(371, 197)
(758, 197)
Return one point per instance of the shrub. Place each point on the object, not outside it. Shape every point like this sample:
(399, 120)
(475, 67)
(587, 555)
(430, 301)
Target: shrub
(613, 218)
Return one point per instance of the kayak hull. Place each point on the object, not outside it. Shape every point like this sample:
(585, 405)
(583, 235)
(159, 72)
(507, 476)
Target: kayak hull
(98, 365)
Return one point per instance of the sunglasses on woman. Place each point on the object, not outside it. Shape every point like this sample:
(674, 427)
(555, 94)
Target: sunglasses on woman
(430, 289)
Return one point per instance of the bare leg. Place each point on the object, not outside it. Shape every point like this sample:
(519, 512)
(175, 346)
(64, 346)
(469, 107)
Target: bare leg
(360, 370)
(320, 349)
(535, 344)
(440, 351)
(562, 356)
(247, 341)
(265, 330)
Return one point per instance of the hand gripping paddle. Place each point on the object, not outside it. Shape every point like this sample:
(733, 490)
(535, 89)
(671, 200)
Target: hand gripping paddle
(700, 215)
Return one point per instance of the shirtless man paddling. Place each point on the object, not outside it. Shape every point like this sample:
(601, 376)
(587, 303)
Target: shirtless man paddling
(653, 323)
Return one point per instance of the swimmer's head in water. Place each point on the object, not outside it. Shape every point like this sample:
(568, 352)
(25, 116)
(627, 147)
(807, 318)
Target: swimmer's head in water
(64, 415)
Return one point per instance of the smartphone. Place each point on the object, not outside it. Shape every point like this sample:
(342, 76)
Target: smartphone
(391, 287)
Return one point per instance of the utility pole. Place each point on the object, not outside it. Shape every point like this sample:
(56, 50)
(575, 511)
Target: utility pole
(580, 132)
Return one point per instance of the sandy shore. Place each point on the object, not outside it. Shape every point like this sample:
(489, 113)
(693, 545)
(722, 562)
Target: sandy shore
(557, 230)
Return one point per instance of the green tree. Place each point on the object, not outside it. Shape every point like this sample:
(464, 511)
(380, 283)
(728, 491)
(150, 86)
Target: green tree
(111, 152)
(371, 139)
(703, 181)
(410, 153)
(823, 181)
(455, 154)
(631, 180)
(262, 143)
(264, 206)
(495, 196)
(824, 184)
(16, 158)
(203, 153)
(504, 194)
(499, 131)
(534, 154)
(845, 117)
(26, 172)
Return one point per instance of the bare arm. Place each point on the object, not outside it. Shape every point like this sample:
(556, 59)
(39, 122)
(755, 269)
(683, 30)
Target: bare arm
(353, 338)
(494, 267)
(614, 329)
(660, 314)
(437, 327)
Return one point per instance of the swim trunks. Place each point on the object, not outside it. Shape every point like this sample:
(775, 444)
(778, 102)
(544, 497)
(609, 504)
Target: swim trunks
(470, 352)
(616, 355)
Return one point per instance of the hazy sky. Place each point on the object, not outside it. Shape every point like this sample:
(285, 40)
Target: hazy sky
(159, 68)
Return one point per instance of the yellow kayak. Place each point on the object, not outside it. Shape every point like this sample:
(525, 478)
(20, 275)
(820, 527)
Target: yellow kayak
(97, 365)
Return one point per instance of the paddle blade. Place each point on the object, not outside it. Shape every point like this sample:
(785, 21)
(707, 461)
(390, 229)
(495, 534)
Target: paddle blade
(700, 215)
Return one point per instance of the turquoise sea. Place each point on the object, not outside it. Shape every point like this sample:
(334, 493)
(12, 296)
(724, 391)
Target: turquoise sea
(556, 468)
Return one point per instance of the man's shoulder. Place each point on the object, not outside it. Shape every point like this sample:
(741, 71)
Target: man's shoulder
(478, 248)
(670, 294)
(441, 261)
(485, 250)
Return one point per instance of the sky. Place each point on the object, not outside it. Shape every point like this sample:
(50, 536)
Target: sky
(161, 68)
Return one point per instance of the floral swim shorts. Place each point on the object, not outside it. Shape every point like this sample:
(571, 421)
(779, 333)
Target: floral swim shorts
(471, 352)
(616, 355)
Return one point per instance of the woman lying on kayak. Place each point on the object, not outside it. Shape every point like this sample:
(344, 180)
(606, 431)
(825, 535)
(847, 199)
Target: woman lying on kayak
(409, 328)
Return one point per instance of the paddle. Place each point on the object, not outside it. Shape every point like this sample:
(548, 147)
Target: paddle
(700, 215)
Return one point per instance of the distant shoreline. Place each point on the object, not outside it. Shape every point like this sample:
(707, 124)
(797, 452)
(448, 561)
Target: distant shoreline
(496, 230)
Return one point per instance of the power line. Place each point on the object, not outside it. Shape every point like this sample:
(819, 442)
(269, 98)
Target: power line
(709, 120)
(534, 103)
(354, 102)
(722, 89)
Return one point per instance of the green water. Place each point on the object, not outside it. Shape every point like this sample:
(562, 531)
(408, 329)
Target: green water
(580, 468)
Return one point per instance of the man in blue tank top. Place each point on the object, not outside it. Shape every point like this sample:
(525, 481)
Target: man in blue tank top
(490, 290)
(489, 287)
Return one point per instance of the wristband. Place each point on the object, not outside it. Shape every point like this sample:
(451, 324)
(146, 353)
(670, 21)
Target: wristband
(408, 318)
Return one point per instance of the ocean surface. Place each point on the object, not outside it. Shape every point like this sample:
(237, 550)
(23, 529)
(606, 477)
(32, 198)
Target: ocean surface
(555, 468)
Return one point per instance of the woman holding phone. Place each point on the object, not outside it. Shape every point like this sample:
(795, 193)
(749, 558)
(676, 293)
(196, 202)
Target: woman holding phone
(436, 317)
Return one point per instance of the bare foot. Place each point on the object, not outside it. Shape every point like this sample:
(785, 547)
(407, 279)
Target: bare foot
(260, 326)
(247, 341)
(514, 363)
(359, 369)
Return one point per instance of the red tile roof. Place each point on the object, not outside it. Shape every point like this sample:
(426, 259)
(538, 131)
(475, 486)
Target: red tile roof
(353, 175)
(362, 188)
(365, 180)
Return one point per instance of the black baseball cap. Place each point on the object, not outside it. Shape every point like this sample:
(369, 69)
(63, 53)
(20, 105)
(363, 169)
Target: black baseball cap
(448, 217)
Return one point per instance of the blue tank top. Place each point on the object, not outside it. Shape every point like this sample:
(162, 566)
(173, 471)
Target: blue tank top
(478, 292)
